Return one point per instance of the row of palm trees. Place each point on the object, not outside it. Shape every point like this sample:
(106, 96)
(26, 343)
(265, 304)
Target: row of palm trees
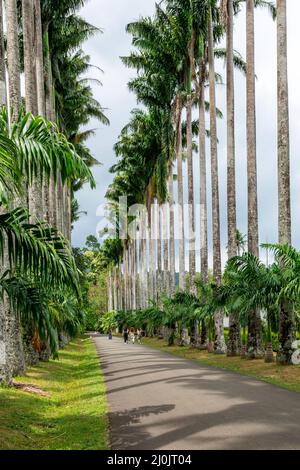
(246, 284)
(44, 160)
(174, 56)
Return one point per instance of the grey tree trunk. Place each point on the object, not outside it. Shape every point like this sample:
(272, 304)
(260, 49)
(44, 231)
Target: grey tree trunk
(125, 279)
(110, 297)
(220, 346)
(151, 254)
(50, 114)
(166, 249)
(150, 257)
(203, 192)
(129, 250)
(3, 91)
(203, 189)
(172, 231)
(287, 331)
(115, 288)
(137, 269)
(133, 274)
(180, 196)
(29, 57)
(284, 198)
(14, 346)
(254, 323)
(146, 259)
(39, 60)
(34, 191)
(159, 250)
(13, 58)
(191, 203)
(5, 366)
(234, 342)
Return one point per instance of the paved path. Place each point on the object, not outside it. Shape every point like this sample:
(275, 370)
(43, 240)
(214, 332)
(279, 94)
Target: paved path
(160, 401)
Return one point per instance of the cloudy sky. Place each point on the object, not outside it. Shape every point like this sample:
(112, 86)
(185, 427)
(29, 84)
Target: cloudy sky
(105, 50)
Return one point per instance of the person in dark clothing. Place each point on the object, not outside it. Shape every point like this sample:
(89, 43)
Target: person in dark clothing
(125, 335)
(110, 334)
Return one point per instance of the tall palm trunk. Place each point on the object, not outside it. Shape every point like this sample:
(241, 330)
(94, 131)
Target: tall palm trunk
(180, 195)
(166, 249)
(130, 278)
(284, 198)
(159, 249)
(254, 323)
(142, 264)
(172, 231)
(13, 58)
(137, 269)
(50, 114)
(154, 237)
(14, 345)
(115, 289)
(5, 366)
(29, 57)
(152, 254)
(109, 292)
(191, 208)
(3, 91)
(39, 60)
(219, 316)
(203, 191)
(125, 279)
(133, 273)
(119, 280)
(233, 345)
(40, 88)
(34, 199)
(287, 314)
(146, 259)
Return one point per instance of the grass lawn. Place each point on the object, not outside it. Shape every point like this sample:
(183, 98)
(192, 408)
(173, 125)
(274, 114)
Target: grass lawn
(68, 410)
(283, 376)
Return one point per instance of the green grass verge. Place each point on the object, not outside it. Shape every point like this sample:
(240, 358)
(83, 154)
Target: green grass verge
(73, 416)
(283, 376)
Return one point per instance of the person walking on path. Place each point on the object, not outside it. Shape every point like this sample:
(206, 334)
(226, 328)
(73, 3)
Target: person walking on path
(132, 336)
(125, 335)
(139, 336)
(110, 334)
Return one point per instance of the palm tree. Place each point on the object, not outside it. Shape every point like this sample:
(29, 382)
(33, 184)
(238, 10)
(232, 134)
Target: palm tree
(287, 317)
(254, 327)
(165, 237)
(172, 231)
(37, 148)
(14, 87)
(181, 243)
(284, 210)
(203, 175)
(219, 317)
(37, 258)
(233, 345)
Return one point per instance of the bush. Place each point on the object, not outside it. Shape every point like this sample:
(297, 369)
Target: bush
(92, 319)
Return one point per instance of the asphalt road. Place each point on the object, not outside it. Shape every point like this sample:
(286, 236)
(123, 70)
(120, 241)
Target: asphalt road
(159, 401)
